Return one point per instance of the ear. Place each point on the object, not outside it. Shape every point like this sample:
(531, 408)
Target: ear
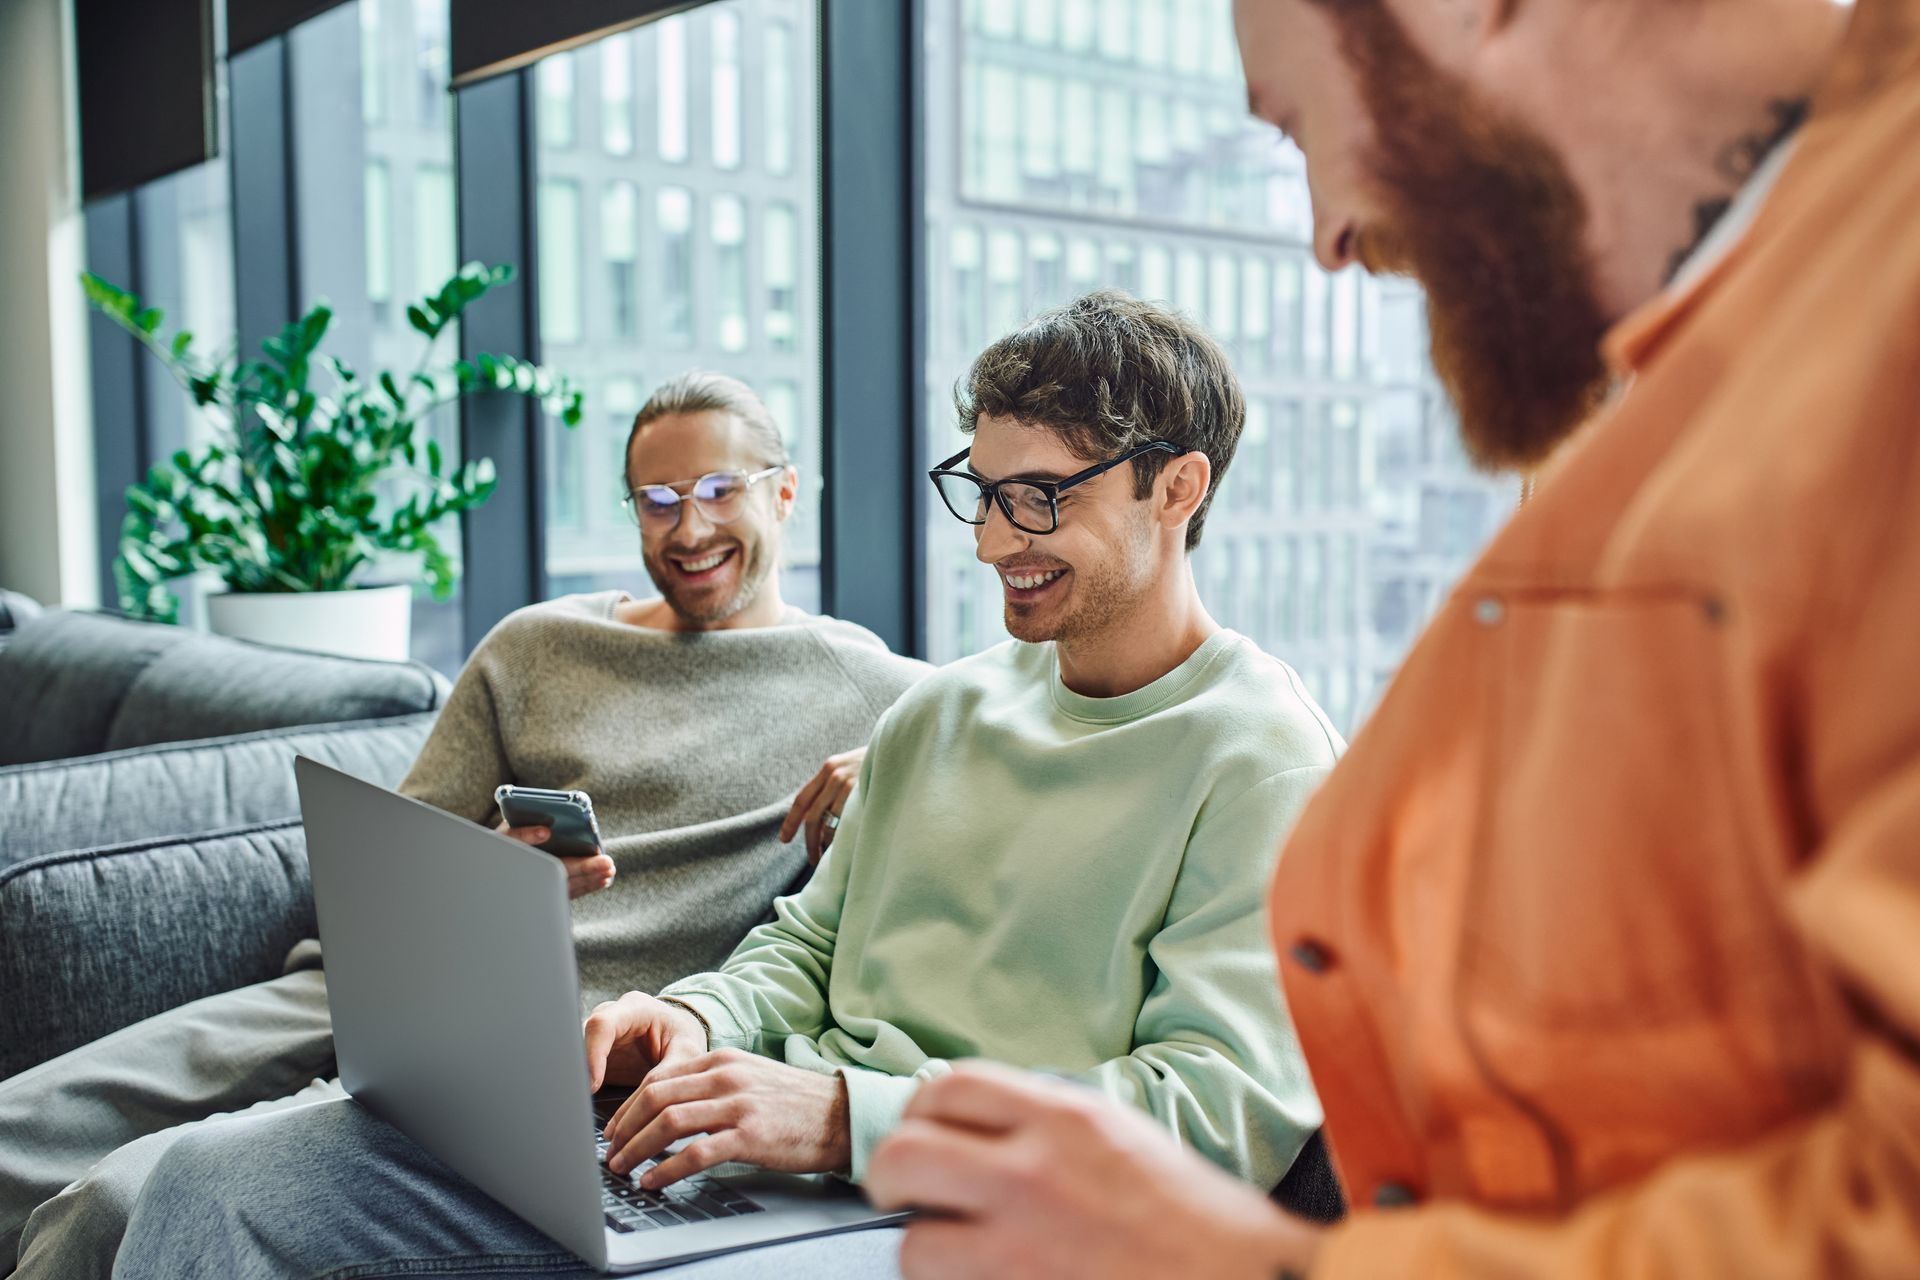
(786, 492)
(1181, 488)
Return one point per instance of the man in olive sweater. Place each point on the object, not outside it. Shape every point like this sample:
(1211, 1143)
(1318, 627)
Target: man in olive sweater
(690, 719)
(1056, 857)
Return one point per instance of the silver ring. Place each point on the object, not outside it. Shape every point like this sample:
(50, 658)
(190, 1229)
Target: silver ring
(833, 822)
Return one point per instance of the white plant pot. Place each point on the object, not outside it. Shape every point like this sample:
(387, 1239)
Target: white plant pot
(364, 622)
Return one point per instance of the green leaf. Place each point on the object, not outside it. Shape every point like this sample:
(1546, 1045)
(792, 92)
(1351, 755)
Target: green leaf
(392, 388)
(313, 326)
(149, 320)
(418, 319)
(181, 341)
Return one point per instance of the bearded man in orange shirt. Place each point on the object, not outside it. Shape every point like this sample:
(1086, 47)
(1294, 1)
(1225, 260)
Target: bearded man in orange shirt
(1603, 941)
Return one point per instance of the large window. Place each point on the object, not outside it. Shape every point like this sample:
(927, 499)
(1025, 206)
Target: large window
(185, 229)
(697, 256)
(1072, 144)
(403, 241)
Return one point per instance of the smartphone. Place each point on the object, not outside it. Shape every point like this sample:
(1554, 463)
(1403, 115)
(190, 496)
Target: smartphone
(568, 814)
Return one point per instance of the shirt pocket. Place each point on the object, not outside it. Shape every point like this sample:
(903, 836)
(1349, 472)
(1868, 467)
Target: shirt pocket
(1627, 968)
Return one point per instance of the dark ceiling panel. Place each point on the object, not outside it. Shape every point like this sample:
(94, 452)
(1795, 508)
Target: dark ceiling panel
(492, 36)
(145, 88)
(252, 22)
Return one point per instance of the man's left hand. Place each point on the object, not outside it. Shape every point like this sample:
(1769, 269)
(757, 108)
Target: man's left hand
(1023, 1176)
(750, 1108)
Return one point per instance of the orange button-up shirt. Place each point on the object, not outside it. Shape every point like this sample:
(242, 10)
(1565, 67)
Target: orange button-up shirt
(1603, 941)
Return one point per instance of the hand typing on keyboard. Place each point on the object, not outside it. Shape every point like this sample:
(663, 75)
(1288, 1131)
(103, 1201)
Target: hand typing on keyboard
(734, 1106)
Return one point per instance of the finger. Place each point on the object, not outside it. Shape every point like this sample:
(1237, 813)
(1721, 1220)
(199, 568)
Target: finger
(985, 1096)
(681, 1120)
(653, 1097)
(588, 874)
(803, 802)
(602, 1032)
(816, 822)
(686, 1062)
(925, 1165)
(621, 1124)
(528, 835)
(698, 1157)
(838, 805)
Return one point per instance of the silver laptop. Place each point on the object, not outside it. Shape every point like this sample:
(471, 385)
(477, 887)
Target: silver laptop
(455, 1004)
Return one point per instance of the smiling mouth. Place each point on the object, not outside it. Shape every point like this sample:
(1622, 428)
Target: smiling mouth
(1026, 586)
(702, 567)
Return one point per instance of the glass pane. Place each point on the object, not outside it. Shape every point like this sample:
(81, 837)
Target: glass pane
(555, 78)
(185, 228)
(778, 61)
(560, 283)
(375, 210)
(620, 244)
(616, 95)
(669, 38)
(1107, 142)
(688, 250)
(726, 90)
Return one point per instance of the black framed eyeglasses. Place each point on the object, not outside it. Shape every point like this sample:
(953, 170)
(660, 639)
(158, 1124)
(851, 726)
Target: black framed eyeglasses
(722, 496)
(1031, 506)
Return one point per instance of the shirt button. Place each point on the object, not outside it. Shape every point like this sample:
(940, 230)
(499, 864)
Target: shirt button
(1393, 1195)
(1488, 611)
(1312, 956)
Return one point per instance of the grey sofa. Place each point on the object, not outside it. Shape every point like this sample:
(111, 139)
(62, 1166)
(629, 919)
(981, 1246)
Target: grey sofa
(150, 847)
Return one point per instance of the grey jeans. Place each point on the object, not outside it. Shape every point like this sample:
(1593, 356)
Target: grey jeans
(331, 1192)
(80, 1133)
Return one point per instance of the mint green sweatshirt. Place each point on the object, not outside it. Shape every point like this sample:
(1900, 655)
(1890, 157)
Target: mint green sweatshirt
(1058, 882)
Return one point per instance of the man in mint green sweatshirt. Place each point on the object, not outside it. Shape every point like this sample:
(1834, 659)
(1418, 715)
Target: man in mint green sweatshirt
(1055, 857)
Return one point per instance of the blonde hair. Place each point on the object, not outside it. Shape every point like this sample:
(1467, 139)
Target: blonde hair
(701, 391)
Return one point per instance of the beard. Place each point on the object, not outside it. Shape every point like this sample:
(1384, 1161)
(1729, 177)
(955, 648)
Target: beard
(703, 607)
(1102, 595)
(1480, 210)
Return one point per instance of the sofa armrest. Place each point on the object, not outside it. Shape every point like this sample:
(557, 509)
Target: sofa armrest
(97, 939)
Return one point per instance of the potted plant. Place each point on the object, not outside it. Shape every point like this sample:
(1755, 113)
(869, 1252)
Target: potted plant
(304, 488)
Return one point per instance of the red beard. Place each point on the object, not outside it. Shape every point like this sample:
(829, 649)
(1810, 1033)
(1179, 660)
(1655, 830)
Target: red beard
(1481, 211)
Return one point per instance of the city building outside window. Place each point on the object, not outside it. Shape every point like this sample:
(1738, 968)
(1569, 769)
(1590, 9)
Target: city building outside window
(692, 252)
(616, 95)
(1076, 143)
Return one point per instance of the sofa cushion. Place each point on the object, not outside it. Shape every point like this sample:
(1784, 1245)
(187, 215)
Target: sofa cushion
(63, 677)
(76, 683)
(95, 940)
(182, 787)
(15, 609)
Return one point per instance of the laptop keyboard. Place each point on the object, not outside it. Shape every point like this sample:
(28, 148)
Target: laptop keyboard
(633, 1208)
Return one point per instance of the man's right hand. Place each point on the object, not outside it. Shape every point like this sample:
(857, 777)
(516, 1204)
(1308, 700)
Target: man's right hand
(628, 1037)
(585, 875)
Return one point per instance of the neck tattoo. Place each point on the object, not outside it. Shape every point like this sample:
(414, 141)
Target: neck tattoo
(1737, 163)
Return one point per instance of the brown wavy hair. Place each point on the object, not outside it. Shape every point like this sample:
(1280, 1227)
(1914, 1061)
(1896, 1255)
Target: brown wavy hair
(1107, 372)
